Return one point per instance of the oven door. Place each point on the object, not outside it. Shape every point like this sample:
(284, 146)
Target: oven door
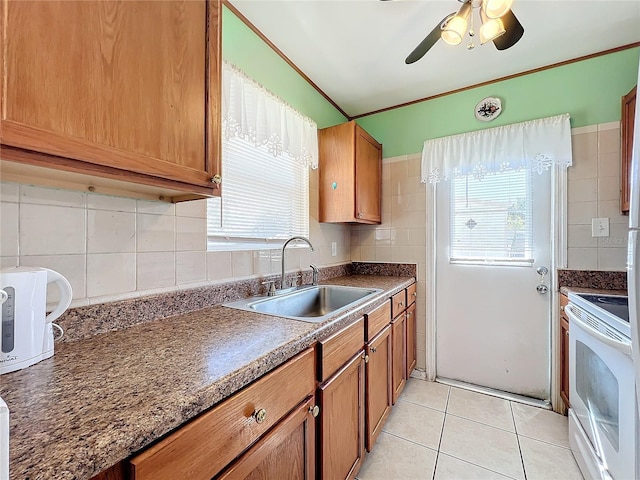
(602, 383)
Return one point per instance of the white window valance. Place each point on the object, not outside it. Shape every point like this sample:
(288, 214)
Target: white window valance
(536, 144)
(251, 112)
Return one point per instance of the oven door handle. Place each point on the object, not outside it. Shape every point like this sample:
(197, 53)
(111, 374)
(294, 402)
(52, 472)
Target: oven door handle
(624, 347)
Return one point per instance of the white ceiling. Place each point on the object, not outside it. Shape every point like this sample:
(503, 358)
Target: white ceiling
(354, 50)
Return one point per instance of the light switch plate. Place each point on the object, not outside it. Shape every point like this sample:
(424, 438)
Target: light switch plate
(599, 227)
(334, 249)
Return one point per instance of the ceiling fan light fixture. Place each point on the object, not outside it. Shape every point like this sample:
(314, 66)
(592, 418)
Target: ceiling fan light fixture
(456, 27)
(491, 28)
(496, 8)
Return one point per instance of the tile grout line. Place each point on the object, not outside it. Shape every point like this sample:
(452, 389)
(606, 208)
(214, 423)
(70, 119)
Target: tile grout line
(515, 427)
(444, 420)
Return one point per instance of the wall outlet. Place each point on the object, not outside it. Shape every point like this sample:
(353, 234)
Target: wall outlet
(334, 249)
(599, 227)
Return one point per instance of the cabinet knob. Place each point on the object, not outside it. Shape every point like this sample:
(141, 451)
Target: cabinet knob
(401, 304)
(373, 349)
(314, 410)
(365, 358)
(359, 214)
(562, 308)
(409, 314)
(415, 294)
(216, 179)
(567, 333)
(260, 415)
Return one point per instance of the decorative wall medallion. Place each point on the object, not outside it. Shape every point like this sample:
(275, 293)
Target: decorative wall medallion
(488, 109)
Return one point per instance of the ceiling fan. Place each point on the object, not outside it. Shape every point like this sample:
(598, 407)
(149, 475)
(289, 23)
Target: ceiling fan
(498, 24)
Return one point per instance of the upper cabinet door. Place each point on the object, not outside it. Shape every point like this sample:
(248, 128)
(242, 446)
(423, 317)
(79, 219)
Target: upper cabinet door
(627, 127)
(350, 175)
(131, 86)
(368, 176)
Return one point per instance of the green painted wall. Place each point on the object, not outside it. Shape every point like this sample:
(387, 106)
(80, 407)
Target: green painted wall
(248, 52)
(589, 90)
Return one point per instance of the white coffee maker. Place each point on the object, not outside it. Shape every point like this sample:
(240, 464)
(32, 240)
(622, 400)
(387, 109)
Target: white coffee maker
(27, 331)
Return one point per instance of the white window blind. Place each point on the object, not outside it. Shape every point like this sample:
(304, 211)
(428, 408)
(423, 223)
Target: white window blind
(263, 197)
(491, 218)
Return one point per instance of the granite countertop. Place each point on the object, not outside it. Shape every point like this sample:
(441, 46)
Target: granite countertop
(99, 400)
(595, 291)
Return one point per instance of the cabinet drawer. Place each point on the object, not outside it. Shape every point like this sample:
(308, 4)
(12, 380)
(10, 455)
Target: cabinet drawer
(336, 350)
(411, 294)
(398, 303)
(377, 320)
(206, 445)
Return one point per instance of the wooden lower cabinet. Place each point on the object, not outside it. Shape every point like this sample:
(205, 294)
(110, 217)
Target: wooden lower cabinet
(411, 358)
(378, 384)
(208, 444)
(341, 400)
(287, 452)
(399, 360)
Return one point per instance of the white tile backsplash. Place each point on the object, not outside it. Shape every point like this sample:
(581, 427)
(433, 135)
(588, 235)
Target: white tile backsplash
(72, 267)
(51, 230)
(191, 234)
(155, 270)
(51, 196)
(594, 192)
(9, 227)
(9, 192)
(155, 233)
(110, 273)
(191, 267)
(111, 231)
(113, 248)
(109, 202)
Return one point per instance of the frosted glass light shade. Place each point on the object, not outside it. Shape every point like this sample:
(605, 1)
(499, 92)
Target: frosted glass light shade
(455, 29)
(490, 29)
(496, 8)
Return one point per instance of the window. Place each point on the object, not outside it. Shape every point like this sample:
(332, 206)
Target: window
(267, 150)
(264, 197)
(491, 218)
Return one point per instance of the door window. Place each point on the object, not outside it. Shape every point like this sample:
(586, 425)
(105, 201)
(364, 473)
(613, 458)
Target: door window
(491, 218)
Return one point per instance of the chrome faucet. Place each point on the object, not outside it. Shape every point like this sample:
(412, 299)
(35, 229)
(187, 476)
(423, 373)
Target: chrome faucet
(304, 239)
(315, 274)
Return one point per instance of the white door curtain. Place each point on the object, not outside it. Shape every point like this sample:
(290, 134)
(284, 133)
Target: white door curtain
(536, 145)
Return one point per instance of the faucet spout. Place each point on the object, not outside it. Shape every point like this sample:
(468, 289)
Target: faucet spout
(304, 239)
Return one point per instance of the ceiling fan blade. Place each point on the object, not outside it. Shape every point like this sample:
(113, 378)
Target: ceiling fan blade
(514, 32)
(428, 42)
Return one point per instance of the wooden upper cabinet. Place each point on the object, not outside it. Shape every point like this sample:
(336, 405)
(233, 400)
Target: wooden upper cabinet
(626, 126)
(124, 90)
(350, 175)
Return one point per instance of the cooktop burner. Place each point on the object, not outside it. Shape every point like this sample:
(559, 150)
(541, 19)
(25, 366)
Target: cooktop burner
(616, 305)
(613, 309)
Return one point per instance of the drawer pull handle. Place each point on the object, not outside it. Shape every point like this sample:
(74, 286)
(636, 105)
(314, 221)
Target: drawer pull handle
(260, 415)
(373, 349)
(315, 410)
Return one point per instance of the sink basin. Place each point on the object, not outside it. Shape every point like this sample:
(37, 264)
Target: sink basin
(310, 304)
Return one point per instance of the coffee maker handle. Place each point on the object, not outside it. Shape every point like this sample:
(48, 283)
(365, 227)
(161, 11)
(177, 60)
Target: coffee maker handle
(65, 294)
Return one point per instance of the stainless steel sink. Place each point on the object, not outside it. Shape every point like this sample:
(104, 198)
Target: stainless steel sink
(310, 304)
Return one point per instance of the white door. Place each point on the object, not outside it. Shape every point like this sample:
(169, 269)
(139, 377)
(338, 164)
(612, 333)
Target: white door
(492, 323)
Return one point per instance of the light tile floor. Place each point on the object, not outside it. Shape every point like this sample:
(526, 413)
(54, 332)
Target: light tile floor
(437, 432)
